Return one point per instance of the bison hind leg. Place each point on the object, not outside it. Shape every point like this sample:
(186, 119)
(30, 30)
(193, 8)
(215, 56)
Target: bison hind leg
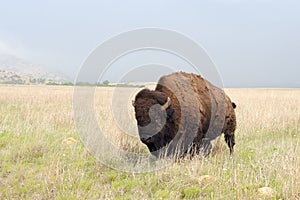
(230, 140)
(200, 149)
(206, 147)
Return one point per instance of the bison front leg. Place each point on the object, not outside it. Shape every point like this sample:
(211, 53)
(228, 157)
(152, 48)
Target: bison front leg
(230, 140)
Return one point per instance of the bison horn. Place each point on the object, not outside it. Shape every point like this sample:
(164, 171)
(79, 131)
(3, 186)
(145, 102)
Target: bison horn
(167, 104)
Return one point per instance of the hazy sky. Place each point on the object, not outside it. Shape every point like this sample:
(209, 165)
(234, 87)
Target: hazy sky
(254, 43)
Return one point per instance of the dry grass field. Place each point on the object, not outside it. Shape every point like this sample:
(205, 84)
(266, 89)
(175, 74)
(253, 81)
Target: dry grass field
(37, 162)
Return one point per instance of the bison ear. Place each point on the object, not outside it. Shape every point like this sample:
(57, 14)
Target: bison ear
(233, 105)
(161, 97)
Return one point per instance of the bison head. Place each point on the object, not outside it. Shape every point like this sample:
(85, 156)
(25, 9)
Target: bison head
(151, 115)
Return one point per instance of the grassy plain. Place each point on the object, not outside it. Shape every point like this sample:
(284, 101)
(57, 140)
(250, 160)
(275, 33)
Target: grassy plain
(36, 162)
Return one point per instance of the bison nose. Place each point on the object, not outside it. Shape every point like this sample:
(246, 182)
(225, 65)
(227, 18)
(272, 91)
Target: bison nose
(145, 140)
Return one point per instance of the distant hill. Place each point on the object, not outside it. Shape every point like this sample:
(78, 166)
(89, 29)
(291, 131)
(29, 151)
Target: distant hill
(13, 78)
(14, 70)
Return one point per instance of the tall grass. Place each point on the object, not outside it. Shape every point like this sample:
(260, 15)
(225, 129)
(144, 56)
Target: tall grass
(36, 163)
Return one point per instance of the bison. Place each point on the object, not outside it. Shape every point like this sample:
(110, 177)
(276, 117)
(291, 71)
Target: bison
(183, 115)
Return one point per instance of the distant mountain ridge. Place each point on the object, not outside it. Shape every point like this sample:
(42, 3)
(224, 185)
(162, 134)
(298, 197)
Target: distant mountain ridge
(14, 69)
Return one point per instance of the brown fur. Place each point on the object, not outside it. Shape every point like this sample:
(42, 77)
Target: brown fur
(198, 113)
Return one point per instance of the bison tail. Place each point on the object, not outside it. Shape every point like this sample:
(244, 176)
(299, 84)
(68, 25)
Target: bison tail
(233, 105)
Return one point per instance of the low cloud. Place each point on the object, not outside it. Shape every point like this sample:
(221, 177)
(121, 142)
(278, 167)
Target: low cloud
(9, 46)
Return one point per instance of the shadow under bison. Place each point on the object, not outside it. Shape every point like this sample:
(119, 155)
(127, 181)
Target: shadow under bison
(183, 115)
